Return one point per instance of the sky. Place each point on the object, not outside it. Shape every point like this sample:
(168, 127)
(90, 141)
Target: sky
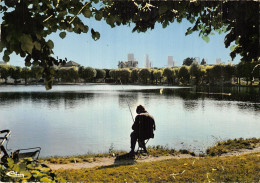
(116, 43)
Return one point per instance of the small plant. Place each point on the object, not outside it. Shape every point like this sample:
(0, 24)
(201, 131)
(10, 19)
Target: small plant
(232, 145)
(26, 170)
(111, 149)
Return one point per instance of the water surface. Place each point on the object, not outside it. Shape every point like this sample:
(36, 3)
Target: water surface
(71, 120)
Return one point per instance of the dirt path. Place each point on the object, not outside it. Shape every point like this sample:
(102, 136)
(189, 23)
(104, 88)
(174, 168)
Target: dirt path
(111, 161)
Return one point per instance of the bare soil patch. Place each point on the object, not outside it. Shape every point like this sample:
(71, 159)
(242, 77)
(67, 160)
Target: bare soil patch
(111, 161)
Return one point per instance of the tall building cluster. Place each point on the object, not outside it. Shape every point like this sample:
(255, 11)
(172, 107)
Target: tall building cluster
(218, 61)
(148, 62)
(130, 63)
(171, 62)
(131, 57)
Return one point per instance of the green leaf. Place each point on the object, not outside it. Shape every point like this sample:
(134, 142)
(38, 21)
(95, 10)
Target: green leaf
(10, 162)
(44, 169)
(36, 173)
(85, 29)
(45, 179)
(22, 166)
(192, 20)
(162, 9)
(50, 44)
(1, 46)
(26, 43)
(87, 13)
(95, 35)
(188, 31)
(62, 35)
(6, 58)
(224, 29)
(205, 38)
(38, 36)
(98, 15)
(37, 45)
(27, 174)
(31, 166)
(30, 159)
(232, 48)
(16, 168)
(69, 29)
(219, 31)
(110, 21)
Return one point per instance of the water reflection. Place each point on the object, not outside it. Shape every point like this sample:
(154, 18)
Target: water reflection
(190, 105)
(246, 106)
(80, 121)
(217, 93)
(70, 100)
(128, 98)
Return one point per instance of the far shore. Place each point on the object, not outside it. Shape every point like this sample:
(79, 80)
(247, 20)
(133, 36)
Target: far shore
(134, 84)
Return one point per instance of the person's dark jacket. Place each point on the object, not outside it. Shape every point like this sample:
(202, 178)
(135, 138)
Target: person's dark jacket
(144, 126)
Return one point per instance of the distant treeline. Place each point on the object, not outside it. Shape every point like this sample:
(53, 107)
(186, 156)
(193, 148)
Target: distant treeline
(194, 74)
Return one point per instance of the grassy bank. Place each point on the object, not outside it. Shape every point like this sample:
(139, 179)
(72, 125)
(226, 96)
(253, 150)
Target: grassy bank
(154, 151)
(232, 145)
(215, 169)
(210, 168)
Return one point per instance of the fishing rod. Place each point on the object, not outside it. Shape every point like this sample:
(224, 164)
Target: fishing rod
(258, 65)
(127, 102)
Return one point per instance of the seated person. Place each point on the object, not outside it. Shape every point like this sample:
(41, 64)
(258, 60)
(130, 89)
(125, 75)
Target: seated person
(143, 127)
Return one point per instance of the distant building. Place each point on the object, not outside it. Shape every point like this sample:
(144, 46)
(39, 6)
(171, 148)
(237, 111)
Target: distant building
(130, 63)
(67, 65)
(148, 62)
(218, 61)
(170, 61)
(206, 61)
(71, 64)
(174, 63)
(197, 59)
(130, 57)
(127, 64)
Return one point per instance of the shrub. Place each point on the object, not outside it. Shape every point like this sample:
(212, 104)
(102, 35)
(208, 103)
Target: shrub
(26, 170)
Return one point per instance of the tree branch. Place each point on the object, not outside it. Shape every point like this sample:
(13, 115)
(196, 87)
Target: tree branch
(78, 12)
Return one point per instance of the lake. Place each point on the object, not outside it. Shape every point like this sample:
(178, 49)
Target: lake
(73, 120)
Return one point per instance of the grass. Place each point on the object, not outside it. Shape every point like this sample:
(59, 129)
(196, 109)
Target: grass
(210, 168)
(154, 151)
(200, 169)
(78, 159)
(232, 145)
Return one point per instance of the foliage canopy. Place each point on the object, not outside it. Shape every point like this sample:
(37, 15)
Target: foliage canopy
(27, 24)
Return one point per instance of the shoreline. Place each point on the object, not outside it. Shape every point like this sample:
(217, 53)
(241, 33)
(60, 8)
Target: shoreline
(235, 147)
(134, 84)
(112, 161)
